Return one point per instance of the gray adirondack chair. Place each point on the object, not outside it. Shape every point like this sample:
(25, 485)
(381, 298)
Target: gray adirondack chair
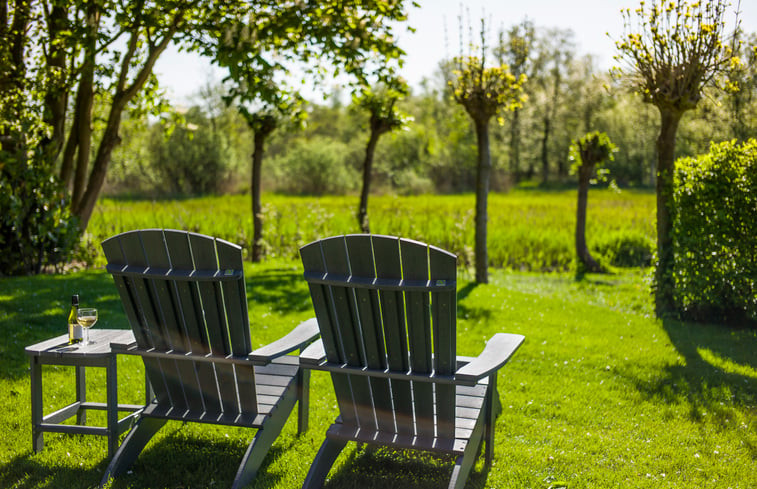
(184, 296)
(386, 308)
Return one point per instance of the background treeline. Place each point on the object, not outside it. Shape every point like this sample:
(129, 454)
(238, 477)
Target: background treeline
(206, 147)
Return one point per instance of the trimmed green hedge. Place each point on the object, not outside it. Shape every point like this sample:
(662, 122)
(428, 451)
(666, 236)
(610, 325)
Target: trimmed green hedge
(715, 234)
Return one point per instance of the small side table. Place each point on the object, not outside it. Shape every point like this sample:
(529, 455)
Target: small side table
(57, 351)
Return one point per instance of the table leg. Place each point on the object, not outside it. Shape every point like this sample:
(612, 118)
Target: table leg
(81, 394)
(38, 440)
(111, 380)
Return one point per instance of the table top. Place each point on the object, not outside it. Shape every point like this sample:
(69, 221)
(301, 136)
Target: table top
(58, 346)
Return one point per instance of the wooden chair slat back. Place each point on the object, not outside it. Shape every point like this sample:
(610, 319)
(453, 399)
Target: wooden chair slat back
(189, 297)
(398, 327)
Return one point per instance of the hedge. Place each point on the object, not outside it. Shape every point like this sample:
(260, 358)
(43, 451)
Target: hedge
(715, 234)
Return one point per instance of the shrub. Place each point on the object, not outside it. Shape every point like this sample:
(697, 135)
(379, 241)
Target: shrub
(715, 233)
(191, 159)
(36, 227)
(315, 167)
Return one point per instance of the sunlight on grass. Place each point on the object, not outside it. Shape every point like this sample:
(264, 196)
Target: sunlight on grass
(601, 395)
(725, 364)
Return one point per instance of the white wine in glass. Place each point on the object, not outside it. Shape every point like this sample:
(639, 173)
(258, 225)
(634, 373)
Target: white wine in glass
(86, 319)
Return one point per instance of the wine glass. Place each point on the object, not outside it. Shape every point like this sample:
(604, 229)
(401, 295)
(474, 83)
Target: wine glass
(86, 319)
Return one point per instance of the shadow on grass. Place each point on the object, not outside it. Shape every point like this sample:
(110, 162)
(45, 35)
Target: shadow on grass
(385, 468)
(283, 290)
(176, 460)
(181, 460)
(718, 374)
(26, 472)
(716, 357)
(474, 313)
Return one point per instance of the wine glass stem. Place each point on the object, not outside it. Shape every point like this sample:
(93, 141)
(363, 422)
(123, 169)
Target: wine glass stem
(86, 336)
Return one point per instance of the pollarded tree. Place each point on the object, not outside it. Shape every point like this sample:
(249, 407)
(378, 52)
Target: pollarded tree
(381, 105)
(674, 50)
(262, 123)
(483, 92)
(587, 153)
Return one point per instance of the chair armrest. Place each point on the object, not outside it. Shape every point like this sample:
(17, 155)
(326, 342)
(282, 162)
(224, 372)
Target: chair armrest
(123, 341)
(298, 338)
(314, 354)
(497, 352)
(120, 346)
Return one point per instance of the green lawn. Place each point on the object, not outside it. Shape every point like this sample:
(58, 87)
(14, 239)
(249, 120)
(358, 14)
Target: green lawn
(601, 395)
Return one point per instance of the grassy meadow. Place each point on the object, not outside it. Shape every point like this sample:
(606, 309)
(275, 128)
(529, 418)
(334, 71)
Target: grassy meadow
(528, 230)
(601, 395)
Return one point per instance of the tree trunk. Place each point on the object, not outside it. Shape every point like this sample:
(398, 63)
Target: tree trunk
(545, 150)
(110, 138)
(666, 141)
(86, 205)
(362, 211)
(483, 172)
(255, 191)
(56, 99)
(83, 116)
(582, 251)
(515, 146)
(18, 39)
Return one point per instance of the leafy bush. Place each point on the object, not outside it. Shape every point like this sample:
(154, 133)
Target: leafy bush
(36, 227)
(191, 159)
(715, 233)
(625, 248)
(315, 167)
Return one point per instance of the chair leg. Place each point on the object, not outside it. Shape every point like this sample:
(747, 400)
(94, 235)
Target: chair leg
(464, 462)
(264, 438)
(303, 400)
(330, 450)
(492, 408)
(133, 444)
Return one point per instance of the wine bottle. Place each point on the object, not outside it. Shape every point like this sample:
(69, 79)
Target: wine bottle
(75, 333)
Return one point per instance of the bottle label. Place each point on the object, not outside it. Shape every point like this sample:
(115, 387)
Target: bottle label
(78, 332)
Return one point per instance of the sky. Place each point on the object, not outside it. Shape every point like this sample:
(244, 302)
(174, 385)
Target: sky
(182, 74)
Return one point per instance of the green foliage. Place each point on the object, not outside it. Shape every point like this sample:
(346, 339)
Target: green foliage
(591, 151)
(381, 104)
(401, 162)
(36, 227)
(715, 233)
(675, 49)
(190, 159)
(483, 91)
(315, 167)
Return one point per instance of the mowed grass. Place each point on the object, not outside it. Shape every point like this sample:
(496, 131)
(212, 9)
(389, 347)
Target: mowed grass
(601, 395)
(528, 230)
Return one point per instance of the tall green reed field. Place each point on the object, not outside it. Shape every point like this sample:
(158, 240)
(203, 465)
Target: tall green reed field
(528, 230)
